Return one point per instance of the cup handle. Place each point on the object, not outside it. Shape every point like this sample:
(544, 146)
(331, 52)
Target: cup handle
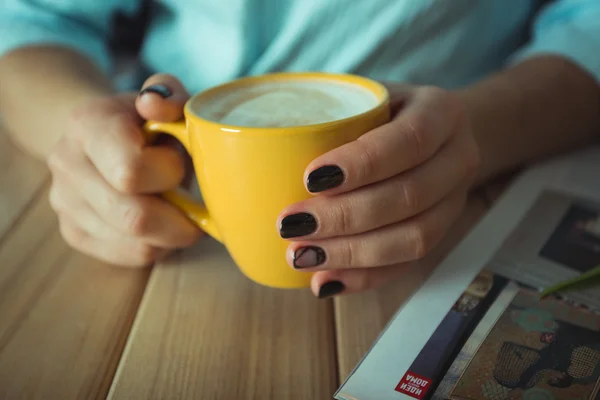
(188, 205)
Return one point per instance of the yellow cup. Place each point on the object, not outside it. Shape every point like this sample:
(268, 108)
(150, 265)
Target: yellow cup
(248, 175)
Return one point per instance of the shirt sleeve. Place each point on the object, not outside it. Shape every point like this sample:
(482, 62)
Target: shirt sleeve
(570, 28)
(81, 25)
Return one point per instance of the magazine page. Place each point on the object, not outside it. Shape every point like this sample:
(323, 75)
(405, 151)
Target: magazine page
(558, 238)
(528, 349)
(432, 362)
(446, 342)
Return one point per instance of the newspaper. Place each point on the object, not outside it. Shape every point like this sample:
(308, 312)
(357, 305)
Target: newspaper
(477, 329)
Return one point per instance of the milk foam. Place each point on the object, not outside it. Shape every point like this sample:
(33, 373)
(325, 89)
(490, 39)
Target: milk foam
(284, 104)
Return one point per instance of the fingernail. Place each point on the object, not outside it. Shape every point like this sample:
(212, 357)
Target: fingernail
(295, 225)
(331, 289)
(161, 90)
(324, 178)
(309, 256)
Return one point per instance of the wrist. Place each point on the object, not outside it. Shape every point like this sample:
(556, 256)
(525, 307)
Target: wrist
(69, 79)
(468, 98)
(539, 108)
(495, 109)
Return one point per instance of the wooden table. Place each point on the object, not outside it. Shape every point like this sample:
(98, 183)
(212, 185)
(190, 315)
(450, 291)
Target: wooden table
(190, 328)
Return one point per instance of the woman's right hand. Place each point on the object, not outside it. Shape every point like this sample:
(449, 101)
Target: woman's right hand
(105, 180)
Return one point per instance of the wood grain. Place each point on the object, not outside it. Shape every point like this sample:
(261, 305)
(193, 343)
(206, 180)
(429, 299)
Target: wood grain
(21, 177)
(204, 331)
(64, 317)
(361, 317)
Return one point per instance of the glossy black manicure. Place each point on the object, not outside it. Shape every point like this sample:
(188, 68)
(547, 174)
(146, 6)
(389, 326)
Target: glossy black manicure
(324, 178)
(161, 90)
(310, 256)
(295, 225)
(331, 289)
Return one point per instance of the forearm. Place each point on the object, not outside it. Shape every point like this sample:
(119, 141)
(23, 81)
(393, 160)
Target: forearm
(536, 109)
(40, 86)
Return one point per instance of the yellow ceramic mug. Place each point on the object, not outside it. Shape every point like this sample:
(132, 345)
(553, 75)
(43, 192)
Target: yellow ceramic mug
(248, 175)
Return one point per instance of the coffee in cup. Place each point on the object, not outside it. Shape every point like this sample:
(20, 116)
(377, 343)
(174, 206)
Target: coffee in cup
(287, 104)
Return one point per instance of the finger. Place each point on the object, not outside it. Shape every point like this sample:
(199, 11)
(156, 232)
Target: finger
(146, 217)
(111, 136)
(67, 203)
(336, 282)
(162, 98)
(386, 202)
(83, 229)
(425, 123)
(122, 253)
(405, 241)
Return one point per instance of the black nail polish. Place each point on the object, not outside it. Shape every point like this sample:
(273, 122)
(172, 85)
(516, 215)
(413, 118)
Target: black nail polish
(295, 225)
(161, 90)
(310, 256)
(331, 289)
(324, 178)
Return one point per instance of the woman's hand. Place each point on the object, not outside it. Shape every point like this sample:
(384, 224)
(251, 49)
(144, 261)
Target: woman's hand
(105, 180)
(385, 199)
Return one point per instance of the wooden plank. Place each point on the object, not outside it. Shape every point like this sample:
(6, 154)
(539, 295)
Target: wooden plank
(204, 331)
(21, 177)
(64, 317)
(361, 317)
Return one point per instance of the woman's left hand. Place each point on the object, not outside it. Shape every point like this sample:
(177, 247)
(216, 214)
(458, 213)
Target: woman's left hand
(386, 199)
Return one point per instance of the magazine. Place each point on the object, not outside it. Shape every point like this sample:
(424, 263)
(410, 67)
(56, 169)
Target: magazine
(477, 328)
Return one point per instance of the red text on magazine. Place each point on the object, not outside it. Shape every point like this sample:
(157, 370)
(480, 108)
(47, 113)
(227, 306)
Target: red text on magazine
(413, 385)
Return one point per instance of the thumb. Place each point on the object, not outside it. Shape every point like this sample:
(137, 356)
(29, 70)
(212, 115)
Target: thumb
(162, 98)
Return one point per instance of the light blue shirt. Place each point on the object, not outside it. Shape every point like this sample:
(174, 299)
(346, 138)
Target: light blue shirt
(449, 43)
